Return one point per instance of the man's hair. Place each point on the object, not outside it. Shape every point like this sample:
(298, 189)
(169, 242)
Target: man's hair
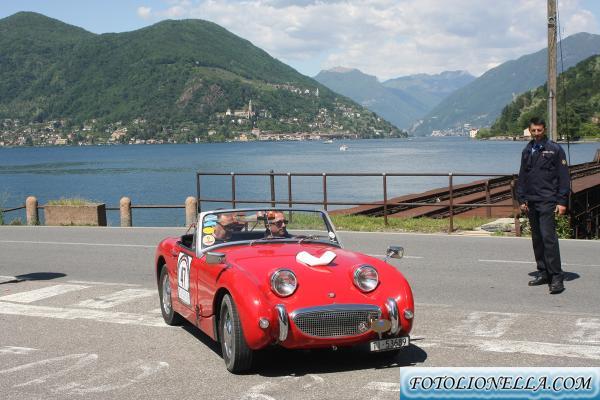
(537, 121)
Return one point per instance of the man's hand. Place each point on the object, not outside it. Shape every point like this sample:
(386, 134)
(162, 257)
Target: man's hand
(524, 207)
(560, 210)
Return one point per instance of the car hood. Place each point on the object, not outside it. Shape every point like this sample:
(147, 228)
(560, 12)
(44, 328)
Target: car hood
(333, 283)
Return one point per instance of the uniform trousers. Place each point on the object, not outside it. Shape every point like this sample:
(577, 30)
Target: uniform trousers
(545, 239)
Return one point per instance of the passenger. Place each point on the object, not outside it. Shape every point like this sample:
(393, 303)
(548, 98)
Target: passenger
(276, 225)
(225, 226)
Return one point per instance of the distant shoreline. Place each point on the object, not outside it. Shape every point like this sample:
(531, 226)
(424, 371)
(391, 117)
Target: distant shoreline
(488, 139)
(524, 139)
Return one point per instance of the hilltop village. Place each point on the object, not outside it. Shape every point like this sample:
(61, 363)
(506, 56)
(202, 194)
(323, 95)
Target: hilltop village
(240, 125)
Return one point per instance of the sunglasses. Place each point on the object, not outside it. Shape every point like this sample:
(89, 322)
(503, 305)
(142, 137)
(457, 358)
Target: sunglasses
(228, 227)
(536, 130)
(279, 223)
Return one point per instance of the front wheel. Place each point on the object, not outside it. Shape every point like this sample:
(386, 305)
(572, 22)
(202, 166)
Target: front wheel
(166, 302)
(236, 353)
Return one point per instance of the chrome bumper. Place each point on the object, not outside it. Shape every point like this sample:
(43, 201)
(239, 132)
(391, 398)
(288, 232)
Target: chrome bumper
(284, 323)
(392, 308)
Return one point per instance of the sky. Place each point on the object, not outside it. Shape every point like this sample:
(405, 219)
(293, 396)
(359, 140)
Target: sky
(385, 38)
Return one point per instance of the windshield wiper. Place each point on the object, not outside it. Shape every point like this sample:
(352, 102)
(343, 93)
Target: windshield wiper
(303, 238)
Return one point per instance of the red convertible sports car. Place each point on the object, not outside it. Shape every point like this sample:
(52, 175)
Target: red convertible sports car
(250, 278)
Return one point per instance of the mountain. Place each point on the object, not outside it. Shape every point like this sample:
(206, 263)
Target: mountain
(169, 76)
(480, 102)
(394, 105)
(579, 117)
(402, 100)
(430, 89)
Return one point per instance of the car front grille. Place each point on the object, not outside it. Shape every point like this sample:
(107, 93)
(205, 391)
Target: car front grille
(335, 320)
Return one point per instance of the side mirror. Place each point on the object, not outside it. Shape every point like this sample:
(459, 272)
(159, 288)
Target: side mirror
(394, 252)
(213, 257)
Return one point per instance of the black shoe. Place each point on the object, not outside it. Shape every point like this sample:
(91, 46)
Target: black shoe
(556, 286)
(541, 279)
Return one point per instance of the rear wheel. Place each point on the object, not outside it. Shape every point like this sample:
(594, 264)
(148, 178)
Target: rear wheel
(236, 353)
(166, 303)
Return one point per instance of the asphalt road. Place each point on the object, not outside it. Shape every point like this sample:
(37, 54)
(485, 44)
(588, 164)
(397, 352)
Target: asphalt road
(82, 319)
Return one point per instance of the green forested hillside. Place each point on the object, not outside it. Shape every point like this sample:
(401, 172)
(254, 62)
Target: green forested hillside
(171, 75)
(580, 116)
(480, 102)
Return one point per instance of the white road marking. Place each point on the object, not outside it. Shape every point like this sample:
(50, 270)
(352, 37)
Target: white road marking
(588, 331)
(42, 363)
(16, 350)
(79, 244)
(43, 293)
(105, 283)
(425, 345)
(4, 279)
(382, 389)
(533, 263)
(538, 348)
(316, 380)
(383, 386)
(114, 299)
(255, 392)
(80, 313)
(487, 324)
(520, 347)
(81, 363)
(95, 383)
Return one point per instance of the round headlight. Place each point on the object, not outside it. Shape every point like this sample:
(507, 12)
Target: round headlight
(284, 282)
(366, 278)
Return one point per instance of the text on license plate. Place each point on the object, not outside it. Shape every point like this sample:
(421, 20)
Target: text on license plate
(389, 344)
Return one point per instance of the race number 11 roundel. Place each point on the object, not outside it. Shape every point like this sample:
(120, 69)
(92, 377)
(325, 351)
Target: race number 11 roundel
(183, 278)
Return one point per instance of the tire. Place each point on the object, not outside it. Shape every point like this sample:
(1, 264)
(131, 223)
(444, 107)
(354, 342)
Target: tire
(236, 353)
(166, 300)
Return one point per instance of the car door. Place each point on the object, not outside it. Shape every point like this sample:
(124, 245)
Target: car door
(185, 289)
(207, 275)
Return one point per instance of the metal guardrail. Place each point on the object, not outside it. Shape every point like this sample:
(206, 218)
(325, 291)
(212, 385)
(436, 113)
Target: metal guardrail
(591, 211)
(5, 210)
(325, 202)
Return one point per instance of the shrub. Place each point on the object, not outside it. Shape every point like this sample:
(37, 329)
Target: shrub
(563, 227)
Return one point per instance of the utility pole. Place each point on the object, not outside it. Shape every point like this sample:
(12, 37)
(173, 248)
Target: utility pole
(552, 120)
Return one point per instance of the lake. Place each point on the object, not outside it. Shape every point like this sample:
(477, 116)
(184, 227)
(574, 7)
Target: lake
(165, 174)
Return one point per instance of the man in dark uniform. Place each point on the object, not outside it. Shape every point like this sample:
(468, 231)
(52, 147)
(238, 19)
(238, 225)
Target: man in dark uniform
(542, 191)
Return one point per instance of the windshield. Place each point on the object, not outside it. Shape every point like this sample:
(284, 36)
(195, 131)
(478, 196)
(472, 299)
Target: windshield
(228, 226)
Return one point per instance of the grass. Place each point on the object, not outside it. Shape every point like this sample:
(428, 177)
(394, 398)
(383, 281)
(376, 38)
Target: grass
(424, 224)
(376, 224)
(73, 201)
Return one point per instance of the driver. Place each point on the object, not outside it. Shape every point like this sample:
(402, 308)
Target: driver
(276, 225)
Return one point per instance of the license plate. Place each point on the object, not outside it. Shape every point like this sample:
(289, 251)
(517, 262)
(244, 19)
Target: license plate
(389, 344)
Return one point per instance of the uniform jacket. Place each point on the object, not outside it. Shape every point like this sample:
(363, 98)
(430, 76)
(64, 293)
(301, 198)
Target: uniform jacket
(544, 174)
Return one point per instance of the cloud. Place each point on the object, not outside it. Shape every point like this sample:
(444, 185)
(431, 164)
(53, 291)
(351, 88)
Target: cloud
(386, 38)
(144, 12)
